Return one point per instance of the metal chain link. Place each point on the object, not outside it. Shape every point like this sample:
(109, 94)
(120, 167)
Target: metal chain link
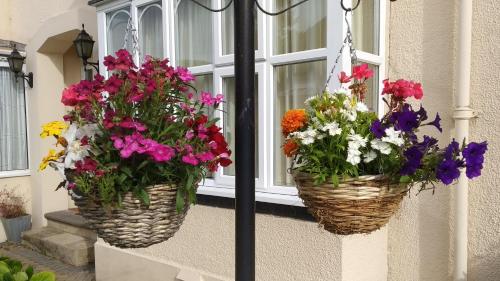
(348, 41)
(132, 32)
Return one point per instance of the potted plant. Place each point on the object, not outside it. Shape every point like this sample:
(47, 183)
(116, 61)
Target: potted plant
(352, 169)
(13, 214)
(134, 147)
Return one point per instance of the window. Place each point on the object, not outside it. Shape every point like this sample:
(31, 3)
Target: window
(13, 131)
(294, 54)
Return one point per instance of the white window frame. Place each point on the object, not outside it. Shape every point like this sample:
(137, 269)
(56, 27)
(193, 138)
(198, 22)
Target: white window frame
(223, 66)
(24, 172)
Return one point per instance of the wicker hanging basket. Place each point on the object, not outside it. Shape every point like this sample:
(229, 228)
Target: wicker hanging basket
(135, 225)
(358, 205)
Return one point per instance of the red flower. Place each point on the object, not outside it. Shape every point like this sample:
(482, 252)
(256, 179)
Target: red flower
(361, 72)
(403, 89)
(343, 78)
(123, 61)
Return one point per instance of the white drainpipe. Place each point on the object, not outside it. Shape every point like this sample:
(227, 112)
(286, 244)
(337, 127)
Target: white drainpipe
(462, 114)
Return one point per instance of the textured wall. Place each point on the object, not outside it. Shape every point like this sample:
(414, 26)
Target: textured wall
(286, 249)
(484, 193)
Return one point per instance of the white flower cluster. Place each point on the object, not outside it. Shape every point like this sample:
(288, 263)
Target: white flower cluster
(356, 142)
(384, 145)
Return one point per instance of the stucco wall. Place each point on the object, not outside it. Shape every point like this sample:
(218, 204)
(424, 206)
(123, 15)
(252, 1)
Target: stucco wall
(484, 193)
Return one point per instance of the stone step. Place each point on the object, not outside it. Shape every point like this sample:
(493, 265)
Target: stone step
(66, 247)
(70, 222)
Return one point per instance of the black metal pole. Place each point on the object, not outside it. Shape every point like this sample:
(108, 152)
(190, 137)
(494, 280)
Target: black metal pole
(244, 65)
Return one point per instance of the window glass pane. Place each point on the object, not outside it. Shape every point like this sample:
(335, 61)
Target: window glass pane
(229, 122)
(13, 144)
(204, 83)
(365, 26)
(150, 30)
(193, 34)
(302, 28)
(116, 29)
(228, 31)
(372, 94)
(293, 84)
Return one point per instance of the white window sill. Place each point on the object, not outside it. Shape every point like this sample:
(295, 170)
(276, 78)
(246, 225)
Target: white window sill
(260, 195)
(15, 173)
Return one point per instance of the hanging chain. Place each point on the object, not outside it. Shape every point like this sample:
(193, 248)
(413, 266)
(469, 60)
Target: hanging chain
(348, 41)
(131, 33)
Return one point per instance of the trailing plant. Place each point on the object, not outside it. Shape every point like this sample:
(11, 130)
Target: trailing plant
(13, 270)
(140, 127)
(336, 137)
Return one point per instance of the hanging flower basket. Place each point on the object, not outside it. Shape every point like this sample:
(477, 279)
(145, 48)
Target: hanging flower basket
(133, 148)
(352, 169)
(135, 225)
(359, 205)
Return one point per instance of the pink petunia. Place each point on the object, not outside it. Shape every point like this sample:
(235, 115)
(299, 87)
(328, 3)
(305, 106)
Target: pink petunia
(184, 74)
(190, 159)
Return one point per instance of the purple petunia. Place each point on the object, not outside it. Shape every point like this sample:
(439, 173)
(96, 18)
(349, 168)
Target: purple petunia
(413, 157)
(448, 171)
(377, 129)
(473, 170)
(451, 150)
(474, 152)
(436, 123)
(407, 121)
(422, 114)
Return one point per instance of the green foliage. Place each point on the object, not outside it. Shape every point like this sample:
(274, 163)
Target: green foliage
(12, 270)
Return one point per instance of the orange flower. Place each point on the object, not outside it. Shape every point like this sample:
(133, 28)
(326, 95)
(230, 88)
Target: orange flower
(293, 120)
(290, 148)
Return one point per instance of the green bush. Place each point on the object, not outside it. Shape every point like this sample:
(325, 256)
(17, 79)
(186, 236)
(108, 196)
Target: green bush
(12, 270)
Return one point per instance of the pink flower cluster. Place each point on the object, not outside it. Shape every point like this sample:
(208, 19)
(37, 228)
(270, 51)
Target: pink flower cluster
(123, 61)
(403, 89)
(359, 72)
(207, 99)
(136, 143)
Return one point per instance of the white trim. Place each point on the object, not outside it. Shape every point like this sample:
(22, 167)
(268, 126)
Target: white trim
(297, 57)
(14, 173)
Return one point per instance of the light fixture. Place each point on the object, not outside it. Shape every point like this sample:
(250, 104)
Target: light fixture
(16, 62)
(84, 44)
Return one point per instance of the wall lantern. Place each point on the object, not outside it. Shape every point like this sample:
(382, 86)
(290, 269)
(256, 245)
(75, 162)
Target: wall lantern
(16, 62)
(84, 44)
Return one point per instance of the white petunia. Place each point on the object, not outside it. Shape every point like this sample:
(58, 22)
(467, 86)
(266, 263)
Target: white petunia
(383, 147)
(370, 156)
(89, 130)
(309, 100)
(332, 128)
(393, 136)
(361, 107)
(350, 115)
(342, 90)
(356, 141)
(353, 156)
(308, 136)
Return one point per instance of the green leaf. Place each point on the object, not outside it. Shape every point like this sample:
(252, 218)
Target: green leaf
(15, 266)
(44, 276)
(143, 164)
(335, 180)
(21, 276)
(29, 271)
(144, 196)
(127, 171)
(179, 202)
(4, 268)
(8, 277)
(405, 179)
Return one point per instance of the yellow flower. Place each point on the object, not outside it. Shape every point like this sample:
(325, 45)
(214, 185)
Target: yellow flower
(53, 129)
(52, 156)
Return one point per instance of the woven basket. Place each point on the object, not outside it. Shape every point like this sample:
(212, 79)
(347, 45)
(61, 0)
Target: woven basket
(135, 225)
(358, 205)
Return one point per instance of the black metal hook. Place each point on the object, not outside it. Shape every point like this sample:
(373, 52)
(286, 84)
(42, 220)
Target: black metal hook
(349, 9)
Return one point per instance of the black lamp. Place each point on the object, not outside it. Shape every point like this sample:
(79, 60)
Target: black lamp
(84, 44)
(16, 62)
